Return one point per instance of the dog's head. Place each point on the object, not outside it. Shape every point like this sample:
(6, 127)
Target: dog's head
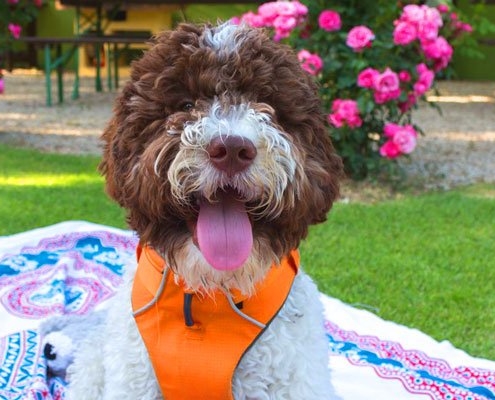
(219, 152)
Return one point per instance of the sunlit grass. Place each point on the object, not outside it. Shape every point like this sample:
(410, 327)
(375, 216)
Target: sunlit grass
(482, 190)
(51, 180)
(39, 189)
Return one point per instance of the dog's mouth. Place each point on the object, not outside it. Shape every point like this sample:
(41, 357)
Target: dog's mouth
(223, 231)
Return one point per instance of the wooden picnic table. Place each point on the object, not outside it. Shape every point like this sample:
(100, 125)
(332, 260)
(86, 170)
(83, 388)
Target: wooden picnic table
(113, 43)
(58, 62)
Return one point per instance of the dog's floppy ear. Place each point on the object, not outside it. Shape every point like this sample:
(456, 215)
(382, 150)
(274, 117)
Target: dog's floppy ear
(323, 167)
(324, 171)
(107, 164)
(121, 147)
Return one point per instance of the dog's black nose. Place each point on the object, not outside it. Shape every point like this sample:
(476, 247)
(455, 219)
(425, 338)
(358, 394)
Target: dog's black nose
(231, 154)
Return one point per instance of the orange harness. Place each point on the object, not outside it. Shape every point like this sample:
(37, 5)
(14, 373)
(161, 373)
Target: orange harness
(196, 341)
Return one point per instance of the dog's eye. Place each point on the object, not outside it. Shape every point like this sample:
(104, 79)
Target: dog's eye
(187, 106)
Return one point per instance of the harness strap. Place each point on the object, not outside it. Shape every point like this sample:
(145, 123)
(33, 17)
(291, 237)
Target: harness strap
(195, 342)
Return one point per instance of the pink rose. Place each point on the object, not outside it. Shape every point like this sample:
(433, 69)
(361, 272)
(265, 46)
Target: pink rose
(417, 21)
(404, 33)
(412, 13)
(283, 26)
(290, 8)
(280, 34)
(367, 77)
(300, 8)
(466, 27)
(427, 31)
(359, 38)
(383, 97)
(421, 68)
(404, 76)
(311, 63)
(345, 112)
(404, 136)
(283, 16)
(389, 150)
(386, 86)
(387, 81)
(38, 3)
(405, 141)
(443, 8)
(329, 20)
(425, 79)
(252, 19)
(421, 87)
(402, 140)
(421, 14)
(431, 49)
(461, 27)
(438, 50)
(15, 30)
(432, 16)
(268, 12)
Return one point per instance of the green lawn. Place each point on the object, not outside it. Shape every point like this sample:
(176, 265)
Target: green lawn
(425, 261)
(39, 189)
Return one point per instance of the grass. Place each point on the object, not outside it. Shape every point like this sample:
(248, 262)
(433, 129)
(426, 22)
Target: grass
(39, 189)
(424, 261)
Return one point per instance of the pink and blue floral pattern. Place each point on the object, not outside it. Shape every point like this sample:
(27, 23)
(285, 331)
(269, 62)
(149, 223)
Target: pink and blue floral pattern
(418, 373)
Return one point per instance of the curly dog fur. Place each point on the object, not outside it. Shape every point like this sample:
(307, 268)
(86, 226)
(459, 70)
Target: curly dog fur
(197, 96)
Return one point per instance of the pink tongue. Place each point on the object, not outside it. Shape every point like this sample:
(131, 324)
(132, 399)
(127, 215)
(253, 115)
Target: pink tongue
(224, 233)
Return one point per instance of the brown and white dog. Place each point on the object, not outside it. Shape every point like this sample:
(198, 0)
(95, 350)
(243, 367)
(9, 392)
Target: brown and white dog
(219, 152)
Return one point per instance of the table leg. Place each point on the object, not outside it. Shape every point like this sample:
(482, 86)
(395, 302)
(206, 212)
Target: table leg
(110, 56)
(98, 85)
(99, 32)
(48, 71)
(116, 64)
(75, 88)
(60, 73)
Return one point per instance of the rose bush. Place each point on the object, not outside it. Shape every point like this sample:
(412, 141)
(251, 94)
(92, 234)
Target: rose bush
(14, 15)
(374, 62)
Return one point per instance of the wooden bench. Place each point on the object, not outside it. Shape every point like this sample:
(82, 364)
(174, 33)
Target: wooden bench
(61, 58)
